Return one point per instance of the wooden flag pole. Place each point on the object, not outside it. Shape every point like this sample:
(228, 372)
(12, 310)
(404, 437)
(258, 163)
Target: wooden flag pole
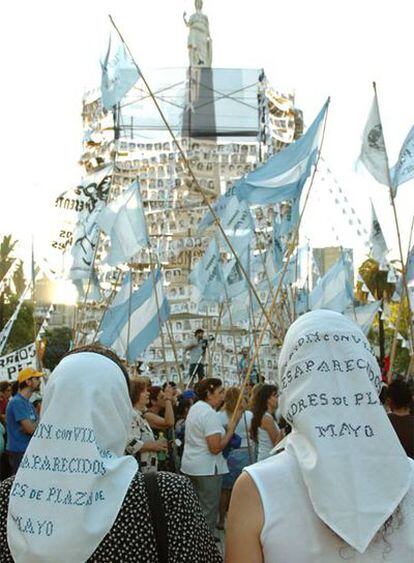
(399, 315)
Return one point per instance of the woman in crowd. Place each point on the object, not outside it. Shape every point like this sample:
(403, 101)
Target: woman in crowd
(205, 439)
(343, 488)
(238, 458)
(400, 401)
(94, 505)
(160, 412)
(264, 429)
(160, 416)
(142, 443)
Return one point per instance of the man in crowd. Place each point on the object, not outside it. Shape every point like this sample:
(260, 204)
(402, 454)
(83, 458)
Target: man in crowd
(399, 397)
(5, 393)
(243, 366)
(21, 416)
(197, 349)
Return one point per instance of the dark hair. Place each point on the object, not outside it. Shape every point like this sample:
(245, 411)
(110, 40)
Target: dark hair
(137, 386)
(154, 392)
(97, 348)
(198, 331)
(14, 388)
(170, 383)
(260, 407)
(206, 386)
(4, 385)
(182, 407)
(399, 394)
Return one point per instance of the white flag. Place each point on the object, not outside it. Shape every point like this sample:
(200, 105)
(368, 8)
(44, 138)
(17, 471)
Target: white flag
(378, 246)
(124, 220)
(373, 153)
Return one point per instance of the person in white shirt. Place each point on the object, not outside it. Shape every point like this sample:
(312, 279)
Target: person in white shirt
(205, 439)
(264, 429)
(197, 349)
(343, 488)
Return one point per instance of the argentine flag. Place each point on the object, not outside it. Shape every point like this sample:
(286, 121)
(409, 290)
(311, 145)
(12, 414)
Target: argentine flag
(283, 176)
(119, 73)
(135, 315)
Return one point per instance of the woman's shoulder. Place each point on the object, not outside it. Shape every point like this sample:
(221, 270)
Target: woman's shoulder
(5, 488)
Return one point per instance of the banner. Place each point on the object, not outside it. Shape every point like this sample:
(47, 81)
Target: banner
(74, 205)
(12, 363)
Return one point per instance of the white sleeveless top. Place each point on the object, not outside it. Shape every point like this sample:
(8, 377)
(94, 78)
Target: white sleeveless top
(264, 443)
(292, 533)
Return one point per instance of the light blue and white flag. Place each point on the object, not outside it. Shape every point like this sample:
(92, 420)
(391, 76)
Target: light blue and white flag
(207, 275)
(290, 217)
(283, 176)
(119, 72)
(334, 289)
(364, 315)
(219, 207)
(124, 220)
(378, 246)
(234, 279)
(135, 314)
(404, 168)
(237, 223)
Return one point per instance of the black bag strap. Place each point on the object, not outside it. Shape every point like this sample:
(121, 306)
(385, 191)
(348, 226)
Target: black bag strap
(157, 511)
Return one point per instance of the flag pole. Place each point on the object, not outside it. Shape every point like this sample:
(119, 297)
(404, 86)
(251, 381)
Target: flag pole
(194, 179)
(394, 209)
(129, 314)
(397, 324)
(216, 332)
(158, 308)
(291, 247)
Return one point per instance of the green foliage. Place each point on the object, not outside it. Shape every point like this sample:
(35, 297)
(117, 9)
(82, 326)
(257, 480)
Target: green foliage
(23, 332)
(58, 342)
(376, 281)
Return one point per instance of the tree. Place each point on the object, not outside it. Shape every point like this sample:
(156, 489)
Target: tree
(23, 330)
(58, 341)
(376, 281)
(6, 260)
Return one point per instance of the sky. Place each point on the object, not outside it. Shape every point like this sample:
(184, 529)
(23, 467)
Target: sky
(50, 57)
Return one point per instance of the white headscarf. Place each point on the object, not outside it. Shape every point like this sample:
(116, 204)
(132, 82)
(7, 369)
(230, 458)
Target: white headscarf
(352, 463)
(73, 478)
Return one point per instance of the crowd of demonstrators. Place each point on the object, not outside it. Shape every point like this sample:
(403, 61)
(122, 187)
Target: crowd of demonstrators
(343, 488)
(95, 505)
(264, 429)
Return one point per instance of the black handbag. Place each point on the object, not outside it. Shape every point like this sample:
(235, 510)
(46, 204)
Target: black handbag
(157, 511)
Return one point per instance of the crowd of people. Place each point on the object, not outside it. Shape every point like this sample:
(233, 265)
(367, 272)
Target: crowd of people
(313, 468)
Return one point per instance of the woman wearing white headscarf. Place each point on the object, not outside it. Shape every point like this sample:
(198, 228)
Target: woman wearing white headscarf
(76, 496)
(343, 489)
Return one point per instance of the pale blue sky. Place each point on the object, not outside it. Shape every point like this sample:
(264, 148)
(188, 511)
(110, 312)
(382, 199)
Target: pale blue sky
(50, 55)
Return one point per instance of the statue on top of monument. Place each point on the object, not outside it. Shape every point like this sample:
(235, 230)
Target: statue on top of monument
(200, 49)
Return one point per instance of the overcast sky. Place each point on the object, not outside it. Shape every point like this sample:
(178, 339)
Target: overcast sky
(50, 56)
